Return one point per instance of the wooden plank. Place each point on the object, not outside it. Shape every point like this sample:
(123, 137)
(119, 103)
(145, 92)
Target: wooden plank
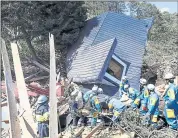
(26, 120)
(0, 91)
(94, 130)
(53, 122)
(15, 131)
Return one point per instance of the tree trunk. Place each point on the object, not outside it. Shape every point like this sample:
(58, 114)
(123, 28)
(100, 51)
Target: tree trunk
(30, 46)
(61, 64)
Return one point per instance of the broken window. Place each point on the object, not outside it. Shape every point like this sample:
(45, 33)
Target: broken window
(115, 69)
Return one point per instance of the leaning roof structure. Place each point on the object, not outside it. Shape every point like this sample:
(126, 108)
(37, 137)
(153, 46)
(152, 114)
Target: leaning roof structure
(107, 34)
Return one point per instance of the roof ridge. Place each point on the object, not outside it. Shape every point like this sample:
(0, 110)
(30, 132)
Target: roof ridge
(100, 28)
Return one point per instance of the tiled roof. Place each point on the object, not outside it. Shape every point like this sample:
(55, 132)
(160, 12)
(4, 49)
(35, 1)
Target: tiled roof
(131, 36)
(90, 61)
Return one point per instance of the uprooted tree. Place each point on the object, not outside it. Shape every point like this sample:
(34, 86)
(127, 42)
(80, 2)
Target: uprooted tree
(29, 23)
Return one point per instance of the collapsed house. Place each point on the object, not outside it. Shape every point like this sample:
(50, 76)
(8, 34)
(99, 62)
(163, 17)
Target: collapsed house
(110, 46)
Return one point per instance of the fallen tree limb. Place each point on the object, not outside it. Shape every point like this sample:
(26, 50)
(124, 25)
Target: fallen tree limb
(38, 64)
(33, 75)
(38, 78)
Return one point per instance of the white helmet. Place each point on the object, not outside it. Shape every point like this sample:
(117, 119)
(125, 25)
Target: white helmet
(169, 76)
(95, 88)
(150, 87)
(124, 78)
(143, 81)
(126, 86)
(100, 90)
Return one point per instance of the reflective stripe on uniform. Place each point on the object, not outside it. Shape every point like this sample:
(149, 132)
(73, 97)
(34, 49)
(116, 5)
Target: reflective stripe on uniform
(116, 113)
(170, 113)
(96, 101)
(40, 118)
(146, 93)
(171, 94)
(153, 101)
(154, 118)
(137, 101)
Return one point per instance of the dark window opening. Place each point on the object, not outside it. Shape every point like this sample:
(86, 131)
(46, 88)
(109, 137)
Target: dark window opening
(115, 69)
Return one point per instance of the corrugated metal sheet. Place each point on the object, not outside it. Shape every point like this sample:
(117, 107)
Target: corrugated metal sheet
(131, 35)
(90, 61)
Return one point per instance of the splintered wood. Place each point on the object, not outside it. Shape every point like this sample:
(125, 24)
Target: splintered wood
(27, 123)
(13, 119)
(53, 123)
(99, 131)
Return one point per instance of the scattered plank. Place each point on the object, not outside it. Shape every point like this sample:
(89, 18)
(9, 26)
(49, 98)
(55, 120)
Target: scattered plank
(15, 131)
(53, 122)
(94, 130)
(26, 121)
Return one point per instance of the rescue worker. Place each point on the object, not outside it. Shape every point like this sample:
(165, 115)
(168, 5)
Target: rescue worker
(42, 116)
(92, 91)
(76, 103)
(115, 106)
(124, 81)
(132, 93)
(171, 102)
(153, 106)
(91, 98)
(142, 98)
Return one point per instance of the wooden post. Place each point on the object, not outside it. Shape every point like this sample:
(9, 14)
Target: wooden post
(26, 120)
(53, 121)
(0, 91)
(13, 119)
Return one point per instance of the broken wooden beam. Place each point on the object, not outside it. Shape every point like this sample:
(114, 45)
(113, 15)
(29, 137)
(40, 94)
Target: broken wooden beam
(26, 120)
(94, 130)
(53, 122)
(4, 104)
(15, 131)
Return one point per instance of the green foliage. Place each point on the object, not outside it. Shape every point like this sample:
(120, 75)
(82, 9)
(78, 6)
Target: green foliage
(97, 7)
(162, 43)
(31, 22)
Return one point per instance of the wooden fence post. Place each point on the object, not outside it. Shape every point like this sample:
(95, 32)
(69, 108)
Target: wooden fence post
(13, 119)
(26, 119)
(53, 122)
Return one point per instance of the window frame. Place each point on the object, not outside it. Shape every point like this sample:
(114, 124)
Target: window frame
(110, 77)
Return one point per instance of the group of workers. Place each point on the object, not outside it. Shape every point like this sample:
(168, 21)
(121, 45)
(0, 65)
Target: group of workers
(146, 100)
